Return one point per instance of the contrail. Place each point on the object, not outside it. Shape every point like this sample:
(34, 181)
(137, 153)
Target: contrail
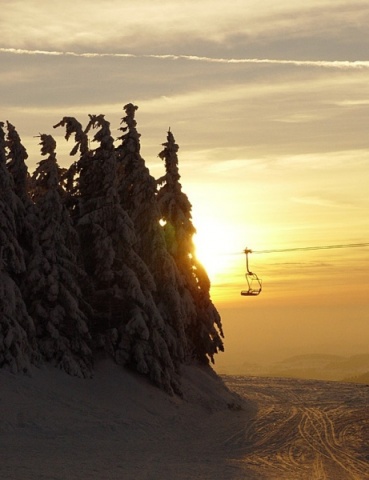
(337, 64)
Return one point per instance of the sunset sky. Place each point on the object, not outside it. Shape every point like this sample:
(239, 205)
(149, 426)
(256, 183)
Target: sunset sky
(269, 103)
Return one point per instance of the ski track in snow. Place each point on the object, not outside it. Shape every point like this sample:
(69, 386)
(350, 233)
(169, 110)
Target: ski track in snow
(305, 429)
(117, 426)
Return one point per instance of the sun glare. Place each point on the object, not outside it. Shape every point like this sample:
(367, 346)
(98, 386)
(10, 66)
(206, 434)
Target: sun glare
(212, 244)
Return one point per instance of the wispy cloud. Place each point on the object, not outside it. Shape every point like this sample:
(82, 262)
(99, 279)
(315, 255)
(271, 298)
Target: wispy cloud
(319, 201)
(338, 64)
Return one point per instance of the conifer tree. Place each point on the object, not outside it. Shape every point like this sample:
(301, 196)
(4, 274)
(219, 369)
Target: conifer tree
(17, 155)
(54, 277)
(138, 192)
(127, 320)
(17, 332)
(27, 219)
(137, 187)
(71, 179)
(205, 331)
(17, 341)
(100, 216)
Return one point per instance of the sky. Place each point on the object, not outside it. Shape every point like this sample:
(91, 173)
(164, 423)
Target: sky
(269, 103)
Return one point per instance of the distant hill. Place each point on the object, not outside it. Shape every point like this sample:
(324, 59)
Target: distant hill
(363, 378)
(354, 368)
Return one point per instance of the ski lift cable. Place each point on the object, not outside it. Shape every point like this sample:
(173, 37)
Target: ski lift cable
(294, 249)
(253, 279)
(318, 247)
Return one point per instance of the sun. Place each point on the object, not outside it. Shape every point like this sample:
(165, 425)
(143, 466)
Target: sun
(212, 244)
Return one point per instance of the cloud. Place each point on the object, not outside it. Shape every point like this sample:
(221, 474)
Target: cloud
(353, 103)
(337, 160)
(336, 64)
(283, 29)
(318, 200)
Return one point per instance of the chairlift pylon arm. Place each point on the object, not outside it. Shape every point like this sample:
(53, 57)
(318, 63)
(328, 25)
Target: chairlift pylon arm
(247, 251)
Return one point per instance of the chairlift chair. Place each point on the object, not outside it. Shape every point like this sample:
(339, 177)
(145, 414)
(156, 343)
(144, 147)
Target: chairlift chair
(253, 281)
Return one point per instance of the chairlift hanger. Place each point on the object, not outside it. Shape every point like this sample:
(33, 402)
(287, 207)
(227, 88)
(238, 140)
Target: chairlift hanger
(253, 281)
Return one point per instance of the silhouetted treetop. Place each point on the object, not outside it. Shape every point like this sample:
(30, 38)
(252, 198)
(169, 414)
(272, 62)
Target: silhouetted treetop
(72, 126)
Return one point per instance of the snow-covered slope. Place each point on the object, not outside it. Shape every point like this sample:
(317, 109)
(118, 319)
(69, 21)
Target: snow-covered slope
(114, 426)
(117, 426)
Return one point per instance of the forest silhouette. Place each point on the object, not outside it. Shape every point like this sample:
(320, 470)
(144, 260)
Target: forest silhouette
(98, 258)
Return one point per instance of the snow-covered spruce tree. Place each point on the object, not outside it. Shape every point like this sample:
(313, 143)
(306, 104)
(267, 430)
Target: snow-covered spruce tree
(17, 156)
(138, 190)
(127, 320)
(205, 330)
(55, 298)
(73, 180)
(27, 220)
(17, 345)
(70, 177)
(17, 332)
